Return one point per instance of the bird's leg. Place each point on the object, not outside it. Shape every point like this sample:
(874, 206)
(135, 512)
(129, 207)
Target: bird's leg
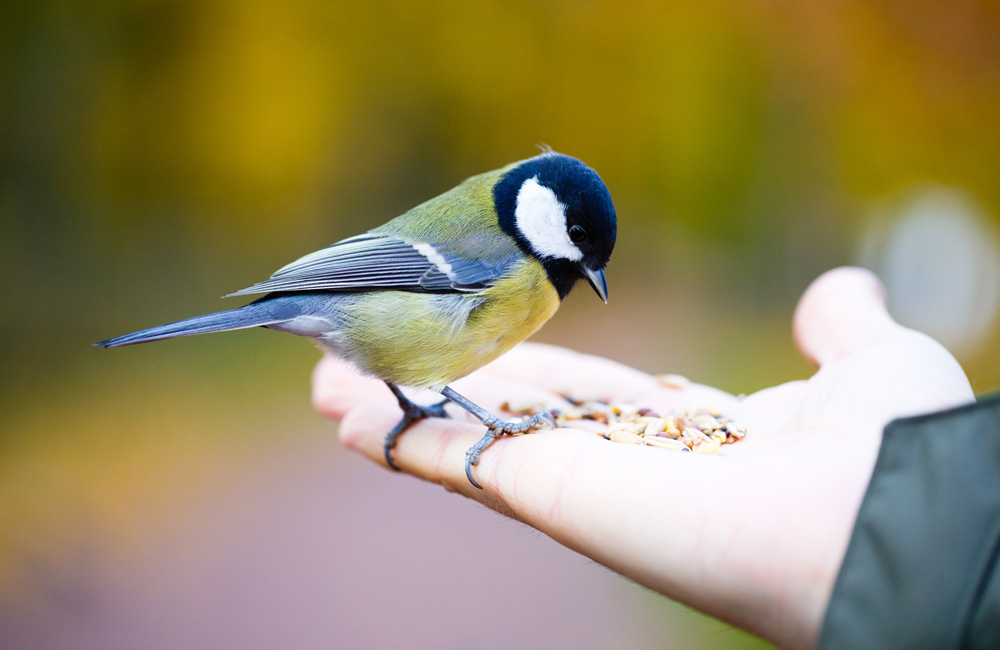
(496, 426)
(411, 413)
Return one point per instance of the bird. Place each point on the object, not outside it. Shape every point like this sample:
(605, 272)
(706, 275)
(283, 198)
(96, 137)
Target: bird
(442, 289)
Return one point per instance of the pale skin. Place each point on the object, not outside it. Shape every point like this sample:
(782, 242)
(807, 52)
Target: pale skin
(754, 536)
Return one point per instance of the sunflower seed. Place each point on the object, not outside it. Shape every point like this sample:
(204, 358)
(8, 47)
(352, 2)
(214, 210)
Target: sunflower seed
(706, 446)
(671, 380)
(665, 443)
(706, 422)
(626, 437)
(655, 425)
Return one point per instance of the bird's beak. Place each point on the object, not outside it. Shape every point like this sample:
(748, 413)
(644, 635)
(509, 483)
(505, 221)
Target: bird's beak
(596, 280)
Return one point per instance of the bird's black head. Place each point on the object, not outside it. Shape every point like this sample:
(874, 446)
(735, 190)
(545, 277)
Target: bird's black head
(560, 211)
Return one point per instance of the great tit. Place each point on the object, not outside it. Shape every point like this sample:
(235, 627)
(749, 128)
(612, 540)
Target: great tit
(444, 288)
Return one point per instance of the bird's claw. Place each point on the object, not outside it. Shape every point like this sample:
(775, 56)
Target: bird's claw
(411, 413)
(498, 428)
(543, 420)
(473, 453)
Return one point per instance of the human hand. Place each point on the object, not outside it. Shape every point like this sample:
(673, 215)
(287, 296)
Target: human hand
(755, 535)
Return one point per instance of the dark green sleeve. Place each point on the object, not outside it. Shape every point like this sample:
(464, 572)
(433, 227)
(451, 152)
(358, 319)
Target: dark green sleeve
(921, 569)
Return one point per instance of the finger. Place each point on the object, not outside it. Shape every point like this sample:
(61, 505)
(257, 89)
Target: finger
(588, 377)
(337, 386)
(532, 375)
(560, 370)
(364, 427)
(841, 312)
(434, 450)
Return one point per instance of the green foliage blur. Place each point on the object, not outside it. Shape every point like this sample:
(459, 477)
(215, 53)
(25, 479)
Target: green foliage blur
(157, 154)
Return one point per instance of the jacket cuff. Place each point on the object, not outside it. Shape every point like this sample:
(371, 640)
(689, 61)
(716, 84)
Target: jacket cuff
(921, 567)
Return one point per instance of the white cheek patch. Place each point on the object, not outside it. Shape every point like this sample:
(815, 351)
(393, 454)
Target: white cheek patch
(541, 218)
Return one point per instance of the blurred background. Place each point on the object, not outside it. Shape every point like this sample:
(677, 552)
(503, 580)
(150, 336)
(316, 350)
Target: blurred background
(155, 155)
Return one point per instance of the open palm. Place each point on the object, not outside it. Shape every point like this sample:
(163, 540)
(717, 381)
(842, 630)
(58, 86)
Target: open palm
(754, 535)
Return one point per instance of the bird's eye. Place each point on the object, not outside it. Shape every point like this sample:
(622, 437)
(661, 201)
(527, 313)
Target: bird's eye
(577, 234)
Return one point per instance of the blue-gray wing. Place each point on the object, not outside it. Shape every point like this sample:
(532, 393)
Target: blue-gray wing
(373, 261)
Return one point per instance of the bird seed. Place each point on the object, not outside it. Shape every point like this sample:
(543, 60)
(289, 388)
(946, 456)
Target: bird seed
(702, 431)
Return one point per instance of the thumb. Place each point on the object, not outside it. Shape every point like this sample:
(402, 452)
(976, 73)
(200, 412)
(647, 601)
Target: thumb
(841, 312)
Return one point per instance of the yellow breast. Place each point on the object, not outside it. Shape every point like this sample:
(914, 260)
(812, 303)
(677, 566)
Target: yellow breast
(417, 339)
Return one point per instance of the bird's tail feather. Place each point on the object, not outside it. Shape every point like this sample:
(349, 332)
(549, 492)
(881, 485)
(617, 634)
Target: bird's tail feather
(252, 315)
